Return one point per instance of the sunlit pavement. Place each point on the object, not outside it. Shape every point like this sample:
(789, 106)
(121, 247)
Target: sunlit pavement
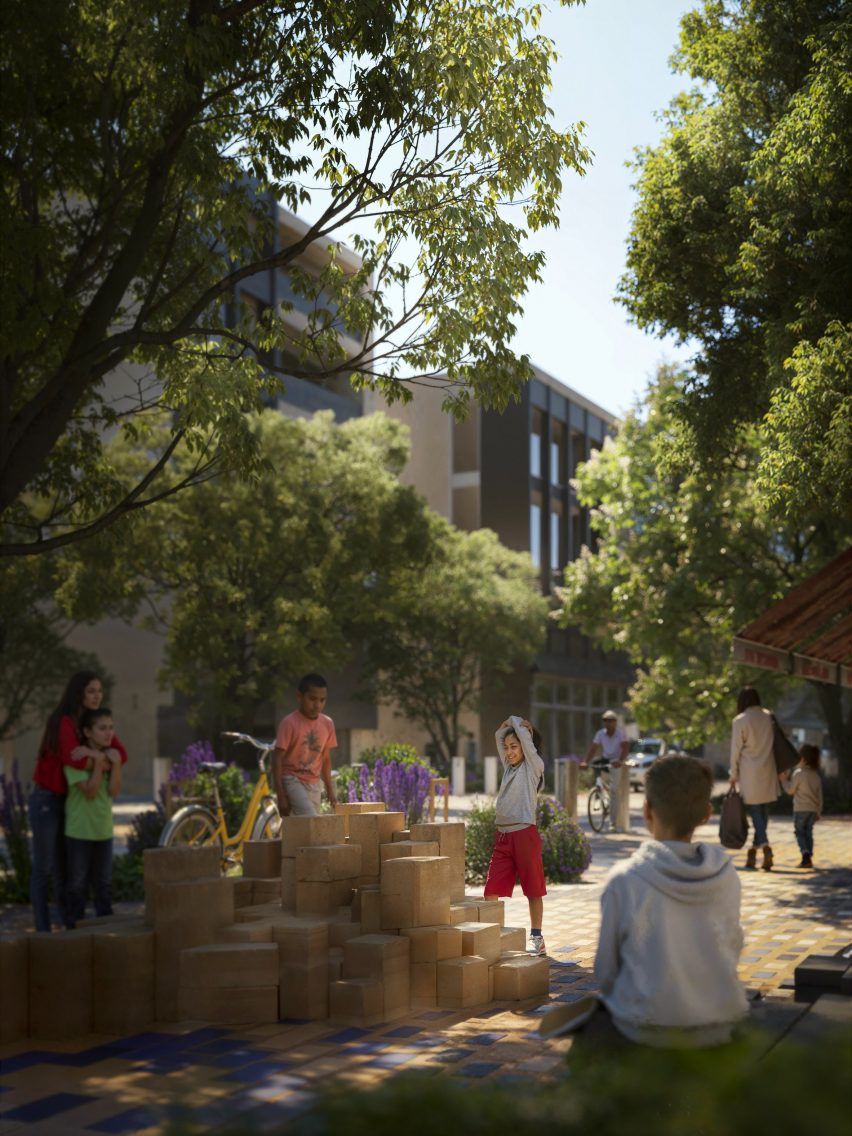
(261, 1076)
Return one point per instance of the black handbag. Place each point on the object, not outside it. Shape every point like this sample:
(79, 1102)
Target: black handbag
(733, 821)
(783, 749)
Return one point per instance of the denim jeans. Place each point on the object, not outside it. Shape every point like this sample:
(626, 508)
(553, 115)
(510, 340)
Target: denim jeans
(47, 824)
(803, 826)
(760, 819)
(89, 867)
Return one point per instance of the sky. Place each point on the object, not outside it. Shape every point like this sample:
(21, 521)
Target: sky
(613, 74)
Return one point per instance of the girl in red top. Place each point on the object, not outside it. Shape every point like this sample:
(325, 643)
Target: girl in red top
(61, 745)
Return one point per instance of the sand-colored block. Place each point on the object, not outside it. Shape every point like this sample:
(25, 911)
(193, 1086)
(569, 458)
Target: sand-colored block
(60, 985)
(243, 892)
(169, 865)
(248, 1006)
(371, 911)
(99, 923)
(357, 897)
(408, 848)
(424, 985)
(460, 913)
(415, 892)
(349, 807)
(304, 831)
(462, 982)
(258, 931)
(481, 939)
(262, 859)
(396, 995)
(451, 840)
(266, 891)
(14, 989)
(335, 964)
(491, 911)
(356, 1002)
(327, 863)
(123, 979)
(322, 898)
(371, 830)
(432, 944)
(209, 900)
(512, 939)
(258, 912)
(229, 965)
(521, 976)
(340, 932)
(303, 990)
(403, 834)
(288, 883)
(301, 941)
(369, 880)
(376, 956)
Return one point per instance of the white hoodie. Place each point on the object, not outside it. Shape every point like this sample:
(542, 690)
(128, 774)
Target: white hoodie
(669, 945)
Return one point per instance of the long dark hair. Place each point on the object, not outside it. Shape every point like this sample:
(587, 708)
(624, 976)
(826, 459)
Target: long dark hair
(70, 704)
(748, 696)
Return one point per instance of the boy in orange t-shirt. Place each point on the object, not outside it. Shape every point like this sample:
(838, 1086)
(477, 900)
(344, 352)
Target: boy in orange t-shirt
(302, 753)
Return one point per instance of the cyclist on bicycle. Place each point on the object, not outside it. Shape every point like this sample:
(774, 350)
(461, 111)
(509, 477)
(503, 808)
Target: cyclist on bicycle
(302, 754)
(610, 748)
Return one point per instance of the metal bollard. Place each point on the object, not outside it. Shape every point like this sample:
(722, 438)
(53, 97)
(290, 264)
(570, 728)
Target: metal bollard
(491, 776)
(458, 770)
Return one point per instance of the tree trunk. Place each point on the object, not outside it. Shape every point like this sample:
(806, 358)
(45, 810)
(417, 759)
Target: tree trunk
(837, 712)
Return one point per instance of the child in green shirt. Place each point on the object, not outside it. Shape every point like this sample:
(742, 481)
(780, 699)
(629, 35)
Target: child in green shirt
(88, 817)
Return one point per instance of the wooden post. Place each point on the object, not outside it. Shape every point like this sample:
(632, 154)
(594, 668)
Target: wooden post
(434, 782)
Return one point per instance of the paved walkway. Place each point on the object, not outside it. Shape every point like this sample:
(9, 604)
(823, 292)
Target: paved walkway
(265, 1074)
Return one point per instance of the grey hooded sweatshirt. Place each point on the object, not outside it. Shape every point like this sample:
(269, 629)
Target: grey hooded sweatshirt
(669, 945)
(516, 800)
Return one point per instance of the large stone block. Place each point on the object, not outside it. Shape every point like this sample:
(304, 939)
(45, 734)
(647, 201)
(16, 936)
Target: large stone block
(303, 990)
(371, 830)
(123, 980)
(356, 1002)
(462, 982)
(432, 944)
(481, 939)
(415, 892)
(222, 1006)
(376, 956)
(229, 966)
(519, 977)
(14, 989)
(60, 985)
(170, 865)
(303, 831)
(262, 859)
(327, 863)
(451, 841)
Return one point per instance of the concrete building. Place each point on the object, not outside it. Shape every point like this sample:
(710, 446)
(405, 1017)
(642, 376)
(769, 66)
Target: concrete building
(509, 472)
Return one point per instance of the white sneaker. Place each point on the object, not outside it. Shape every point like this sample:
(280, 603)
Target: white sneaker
(536, 946)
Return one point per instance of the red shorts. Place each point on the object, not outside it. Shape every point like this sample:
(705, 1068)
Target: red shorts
(516, 856)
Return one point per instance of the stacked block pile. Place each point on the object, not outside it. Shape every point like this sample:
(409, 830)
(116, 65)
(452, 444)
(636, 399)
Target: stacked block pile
(348, 917)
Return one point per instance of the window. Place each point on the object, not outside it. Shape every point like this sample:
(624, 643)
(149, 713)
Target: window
(557, 550)
(535, 532)
(536, 433)
(557, 453)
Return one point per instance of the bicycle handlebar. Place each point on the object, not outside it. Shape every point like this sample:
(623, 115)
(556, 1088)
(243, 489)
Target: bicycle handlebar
(248, 738)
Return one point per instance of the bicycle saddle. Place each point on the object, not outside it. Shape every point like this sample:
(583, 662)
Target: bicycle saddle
(212, 766)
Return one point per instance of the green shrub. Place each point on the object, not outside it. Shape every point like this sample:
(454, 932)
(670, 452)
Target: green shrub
(565, 849)
(128, 881)
(15, 863)
(392, 751)
(145, 830)
(234, 791)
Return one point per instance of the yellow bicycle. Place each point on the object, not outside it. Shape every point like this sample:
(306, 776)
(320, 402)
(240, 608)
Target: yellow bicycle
(195, 825)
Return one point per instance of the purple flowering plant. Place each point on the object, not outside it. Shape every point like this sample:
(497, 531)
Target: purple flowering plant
(189, 782)
(403, 787)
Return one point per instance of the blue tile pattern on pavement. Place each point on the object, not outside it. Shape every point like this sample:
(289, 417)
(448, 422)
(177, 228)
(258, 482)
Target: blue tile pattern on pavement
(47, 1107)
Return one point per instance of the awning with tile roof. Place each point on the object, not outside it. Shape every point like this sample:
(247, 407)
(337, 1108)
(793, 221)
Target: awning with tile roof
(808, 633)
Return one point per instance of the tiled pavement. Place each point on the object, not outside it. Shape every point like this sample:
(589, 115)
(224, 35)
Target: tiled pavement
(266, 1074)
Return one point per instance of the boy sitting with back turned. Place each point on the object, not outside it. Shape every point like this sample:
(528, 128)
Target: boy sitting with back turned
(670, 935)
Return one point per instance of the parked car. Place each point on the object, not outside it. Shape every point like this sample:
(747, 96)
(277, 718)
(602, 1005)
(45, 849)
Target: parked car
(643, 753)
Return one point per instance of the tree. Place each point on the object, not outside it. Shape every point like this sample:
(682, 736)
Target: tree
(684, 561)
(262, 580)
(477, 608)
(741, 236)
(142, 145)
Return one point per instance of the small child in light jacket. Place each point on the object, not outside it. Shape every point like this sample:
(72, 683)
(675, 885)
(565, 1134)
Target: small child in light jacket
(804, 785)
(517, 844)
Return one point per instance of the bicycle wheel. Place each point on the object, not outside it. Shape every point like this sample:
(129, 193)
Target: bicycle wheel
(597, 810)
(268, 823)
(191, 827)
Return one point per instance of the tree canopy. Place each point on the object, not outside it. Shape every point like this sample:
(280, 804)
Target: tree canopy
(261, 580)
(685, 560)
(741, 237)
(143, 144)
(477, 609)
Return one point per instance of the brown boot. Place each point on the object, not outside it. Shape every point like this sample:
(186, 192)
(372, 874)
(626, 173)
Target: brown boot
(751, 859)
(767, 858)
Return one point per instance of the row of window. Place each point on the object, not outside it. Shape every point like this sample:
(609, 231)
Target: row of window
(567, 714)
(566, 538)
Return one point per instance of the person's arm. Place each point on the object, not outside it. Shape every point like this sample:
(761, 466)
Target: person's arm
(92, 784)
(736, 747)
(119, 748)
(498, 738)
(277, 778)
(608, 956)
(625, 749)
(327, 778)
(115, 763)
(591, 753)
(532, 758)
(70, 750)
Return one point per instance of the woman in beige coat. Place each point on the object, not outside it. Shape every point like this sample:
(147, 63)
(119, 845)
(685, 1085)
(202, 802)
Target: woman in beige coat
(753, 767)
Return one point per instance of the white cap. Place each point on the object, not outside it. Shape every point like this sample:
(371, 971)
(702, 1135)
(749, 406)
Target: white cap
(609, 714)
